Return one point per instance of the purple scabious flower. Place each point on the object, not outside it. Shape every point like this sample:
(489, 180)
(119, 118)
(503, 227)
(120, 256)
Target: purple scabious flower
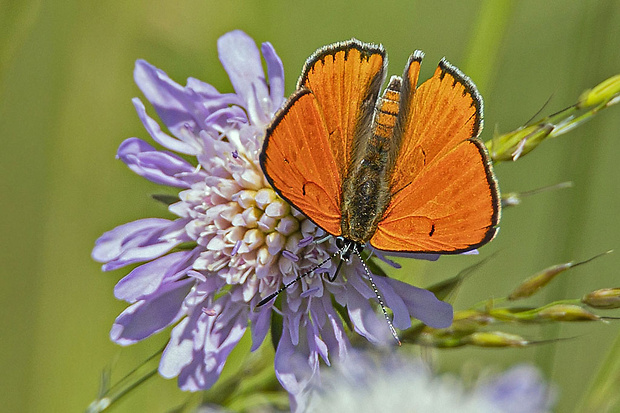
(233, 240)
(367, 382)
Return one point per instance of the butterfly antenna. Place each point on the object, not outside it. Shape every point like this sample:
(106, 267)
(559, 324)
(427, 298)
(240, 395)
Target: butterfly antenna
(299, 277)
(344, 253)
(376, 290)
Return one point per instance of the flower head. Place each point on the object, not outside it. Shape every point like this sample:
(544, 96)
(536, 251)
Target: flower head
(392, 383)
(234, 240)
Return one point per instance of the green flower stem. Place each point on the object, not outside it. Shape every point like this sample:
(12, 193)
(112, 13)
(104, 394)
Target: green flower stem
(108, 395)
(572, 122)
(111, 397)
(602, 395)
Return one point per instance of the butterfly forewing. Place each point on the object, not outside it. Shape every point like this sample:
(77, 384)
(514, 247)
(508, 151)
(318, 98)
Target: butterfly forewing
(434, 117)
(297, 165)
(310, 144)
(346, 79)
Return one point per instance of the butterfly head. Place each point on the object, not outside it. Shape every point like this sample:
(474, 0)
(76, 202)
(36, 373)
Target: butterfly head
(348, 247)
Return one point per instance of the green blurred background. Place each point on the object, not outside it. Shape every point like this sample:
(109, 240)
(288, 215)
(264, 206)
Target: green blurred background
(65, 106)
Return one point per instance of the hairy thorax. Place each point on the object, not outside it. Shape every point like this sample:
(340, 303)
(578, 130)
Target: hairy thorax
(366, 196)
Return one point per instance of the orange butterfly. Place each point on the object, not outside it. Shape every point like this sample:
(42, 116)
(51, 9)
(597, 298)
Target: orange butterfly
(403, 172)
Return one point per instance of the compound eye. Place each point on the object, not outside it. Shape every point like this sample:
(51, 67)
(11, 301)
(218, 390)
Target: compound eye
(340, 242)
(359, 247)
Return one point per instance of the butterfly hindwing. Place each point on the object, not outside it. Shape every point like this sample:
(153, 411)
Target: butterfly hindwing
(444, 195)
(447, 208)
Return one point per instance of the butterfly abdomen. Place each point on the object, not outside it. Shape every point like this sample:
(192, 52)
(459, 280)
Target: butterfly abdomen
(366, 189)
(386, 114)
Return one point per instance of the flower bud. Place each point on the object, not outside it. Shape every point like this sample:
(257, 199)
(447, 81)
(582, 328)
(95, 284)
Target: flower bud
(429, 339)
(601, 93)
(538, 281)
(604, 298)
(496, 339)
(512, 145)
(512, 314)
(567, 312)
(469, 320)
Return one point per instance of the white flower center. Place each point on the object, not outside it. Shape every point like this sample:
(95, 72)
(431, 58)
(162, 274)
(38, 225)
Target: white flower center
(251, 237)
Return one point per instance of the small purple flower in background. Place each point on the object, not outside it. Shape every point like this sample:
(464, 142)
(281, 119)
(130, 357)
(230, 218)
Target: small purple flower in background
(234, 241)
(520, 389)
(367, 382)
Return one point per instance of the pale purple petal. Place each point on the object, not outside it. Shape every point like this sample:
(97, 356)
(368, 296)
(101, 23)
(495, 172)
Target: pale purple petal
(316, 326)
(275, 74)
(291, 365)
(137, 241)
(315, 342)
(212, 339)
(153, 128)
(109, 245)
(371, 381)
(178, 107)
(140, 252)
(260, 319)
(386, 260)
(365, 320)
(423, 304)
(211, 99)
(292, 322)
(393, 300)
(418, 255)
(178, 352)
(221, 340)
(146, 317)
(333, 332)
(295, 368)
(145, 279)
(241, 59)
(257, 114)
(161, 167)
(221, 119)
(381, 254)
(358, 283)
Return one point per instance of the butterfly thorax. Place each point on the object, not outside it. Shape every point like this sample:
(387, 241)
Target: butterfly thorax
(366, 192)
